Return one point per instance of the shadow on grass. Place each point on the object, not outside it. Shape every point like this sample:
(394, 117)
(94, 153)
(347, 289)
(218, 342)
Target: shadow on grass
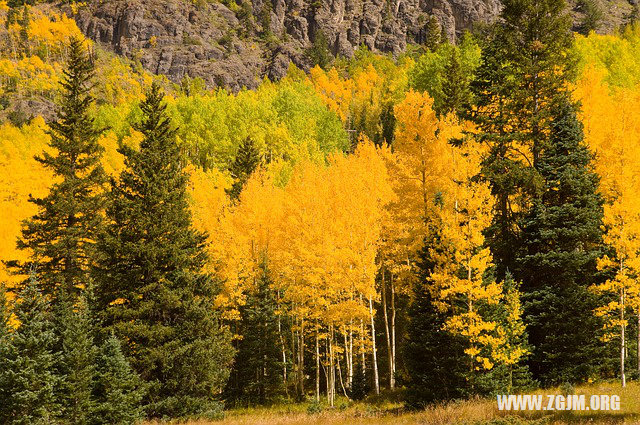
(567, 417)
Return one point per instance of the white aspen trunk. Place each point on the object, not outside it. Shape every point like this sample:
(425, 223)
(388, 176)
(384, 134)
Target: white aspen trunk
(622, 341)
(332, 370)
(346, 354)
(393, 333)
(317, 366)
(301, 360)
(284, 351)
(387, 333)
(376, 378)
(351, 351)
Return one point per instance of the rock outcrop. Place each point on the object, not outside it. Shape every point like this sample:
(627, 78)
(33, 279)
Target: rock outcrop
(235, 44)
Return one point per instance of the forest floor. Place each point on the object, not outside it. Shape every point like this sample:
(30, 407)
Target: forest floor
(385, 411)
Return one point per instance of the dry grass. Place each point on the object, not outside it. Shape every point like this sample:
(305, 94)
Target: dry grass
(470, 412)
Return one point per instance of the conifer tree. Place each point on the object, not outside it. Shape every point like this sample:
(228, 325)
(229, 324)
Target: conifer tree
(455, 86)
(30, 362)
(61, 235)
(246, 161)
(256, 377)
(432, 376)
(562, 240)
(152, 291)
(433, 36)
(76, 359)
(525, 64)
(118, 389)
(5, 352)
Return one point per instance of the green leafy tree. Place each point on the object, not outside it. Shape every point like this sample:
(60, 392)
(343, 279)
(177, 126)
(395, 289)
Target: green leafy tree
(152, 291)
(29, 362)
(256, 377)
(118, 389)
(561, 241)
(246, 161)
(61, 235)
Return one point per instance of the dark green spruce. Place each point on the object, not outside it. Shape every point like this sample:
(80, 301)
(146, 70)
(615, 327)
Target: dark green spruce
(118, 391)
(525, 64)
(28, 362)
(436, 363)
(151, 289)
(561, 241)
(62, 233)
(256, 377)
(246, 161)
(76, 358)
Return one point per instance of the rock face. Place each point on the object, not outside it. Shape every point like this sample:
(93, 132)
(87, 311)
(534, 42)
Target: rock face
(235, 43)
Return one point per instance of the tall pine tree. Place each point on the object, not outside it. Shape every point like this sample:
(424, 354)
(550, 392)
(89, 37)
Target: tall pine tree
(152, 291)
(61, 235)
(525, 64)
(561, 240)
(118, 391)
(246, 161)
(256, 377)
(5, 351)
(28, 370)
(76, 358)
(432, 376)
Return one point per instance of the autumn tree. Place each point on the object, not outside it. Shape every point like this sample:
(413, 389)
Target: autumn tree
(152, 291)
(60, 237)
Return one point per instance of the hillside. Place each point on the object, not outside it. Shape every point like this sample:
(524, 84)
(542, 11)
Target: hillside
(235, 44)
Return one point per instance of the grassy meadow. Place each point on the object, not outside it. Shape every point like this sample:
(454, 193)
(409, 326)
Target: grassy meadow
(384, 410)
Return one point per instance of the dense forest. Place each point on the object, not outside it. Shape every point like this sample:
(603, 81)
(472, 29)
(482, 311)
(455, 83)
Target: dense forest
(460, 220)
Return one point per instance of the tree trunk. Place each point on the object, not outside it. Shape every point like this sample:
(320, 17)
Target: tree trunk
(376, 378)
(387, 333)
(317, 366)
(393, 333)
(622, 341)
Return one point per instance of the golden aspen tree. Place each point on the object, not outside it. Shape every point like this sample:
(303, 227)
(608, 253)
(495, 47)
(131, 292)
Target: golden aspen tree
(462, 283)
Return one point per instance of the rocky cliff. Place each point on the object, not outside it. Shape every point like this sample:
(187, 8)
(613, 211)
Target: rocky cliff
(236, 44)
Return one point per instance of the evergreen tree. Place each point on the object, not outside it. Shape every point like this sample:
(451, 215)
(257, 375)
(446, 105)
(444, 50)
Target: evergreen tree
(118, 389)
(435, 359)
(76, 360)
(319, 53)
(360, 387)
(152, 291)
(61, 235)
(256, 377)
(562, 238)
(525, 64)
(455, 86)
(433, 34)
(246, 161)
(592, 17)
(29, 362)
(5, 351)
